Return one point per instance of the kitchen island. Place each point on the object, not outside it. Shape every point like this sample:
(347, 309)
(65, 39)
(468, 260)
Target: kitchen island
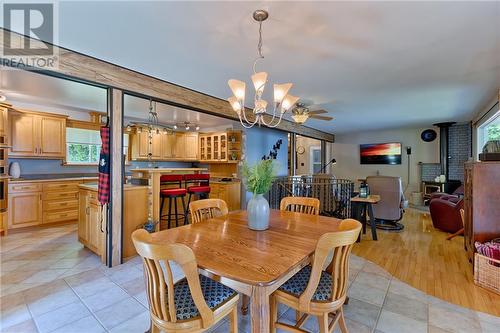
(152, 177)
(92, 219)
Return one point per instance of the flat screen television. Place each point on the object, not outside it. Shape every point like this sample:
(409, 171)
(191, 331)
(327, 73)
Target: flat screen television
(380, 153)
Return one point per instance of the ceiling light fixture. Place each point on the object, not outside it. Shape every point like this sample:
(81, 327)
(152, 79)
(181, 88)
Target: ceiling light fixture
(282, 100)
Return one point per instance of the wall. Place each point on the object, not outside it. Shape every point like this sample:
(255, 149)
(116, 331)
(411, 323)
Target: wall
(346, 152)
(303, 160)
(258, 142)
(459, 149)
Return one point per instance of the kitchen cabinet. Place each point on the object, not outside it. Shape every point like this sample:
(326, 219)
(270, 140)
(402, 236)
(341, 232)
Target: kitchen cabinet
(164, 146)
(220, 146)
(168, 146)
(25, 208)
(37, 135)
(91, 223)
(4, 110)
(42, 202)
(180, 149)
(191, 144)
(229, 192)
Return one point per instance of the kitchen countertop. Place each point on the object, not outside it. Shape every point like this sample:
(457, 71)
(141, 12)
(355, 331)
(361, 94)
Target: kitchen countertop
(166, 170)
(126, 187)
(54, 177)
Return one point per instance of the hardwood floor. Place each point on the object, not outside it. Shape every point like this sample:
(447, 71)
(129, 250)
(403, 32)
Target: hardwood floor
(422, 257)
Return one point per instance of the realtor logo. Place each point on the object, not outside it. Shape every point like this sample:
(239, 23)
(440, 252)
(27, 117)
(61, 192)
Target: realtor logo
(36, 21)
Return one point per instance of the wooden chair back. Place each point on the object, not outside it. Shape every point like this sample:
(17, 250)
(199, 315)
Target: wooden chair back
(159, 280)
(300, 205)
(462, 215)
(340, 243)
(206, 209)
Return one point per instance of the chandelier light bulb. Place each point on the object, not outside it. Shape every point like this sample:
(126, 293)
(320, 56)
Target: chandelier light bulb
(259, 81)
(187, 128)
(175, 126)
(238, 88)
(234, 103)
(280, 91)
(197, 128)
(288, 102)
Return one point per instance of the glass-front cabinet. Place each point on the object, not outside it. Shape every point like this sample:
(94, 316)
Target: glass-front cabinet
(220, 146)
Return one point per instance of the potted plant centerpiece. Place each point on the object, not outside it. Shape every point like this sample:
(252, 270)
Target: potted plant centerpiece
(258, 180)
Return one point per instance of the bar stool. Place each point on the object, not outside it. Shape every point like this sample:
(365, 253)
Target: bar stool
(201, 187)
(172, 194)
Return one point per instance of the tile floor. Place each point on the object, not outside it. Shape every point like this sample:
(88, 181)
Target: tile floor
(50, 283)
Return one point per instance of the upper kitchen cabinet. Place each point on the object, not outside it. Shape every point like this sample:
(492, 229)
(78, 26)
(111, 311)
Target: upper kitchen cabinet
(164, 146)
(220, 147)
(4, 109)
(36, 134)
(191, 146)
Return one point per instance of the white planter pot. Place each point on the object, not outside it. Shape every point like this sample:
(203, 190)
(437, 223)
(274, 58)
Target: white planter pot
(258, 213)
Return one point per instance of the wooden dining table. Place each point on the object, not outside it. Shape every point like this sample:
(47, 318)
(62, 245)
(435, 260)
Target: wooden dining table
(254, 263)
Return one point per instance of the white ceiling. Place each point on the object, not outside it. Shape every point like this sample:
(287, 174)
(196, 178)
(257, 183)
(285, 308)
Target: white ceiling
(372, 65)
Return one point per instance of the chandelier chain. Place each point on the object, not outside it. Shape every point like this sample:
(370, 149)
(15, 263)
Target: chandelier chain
(259, 45)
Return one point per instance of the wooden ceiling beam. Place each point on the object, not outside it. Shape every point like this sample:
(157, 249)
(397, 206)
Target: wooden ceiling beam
(81, 67)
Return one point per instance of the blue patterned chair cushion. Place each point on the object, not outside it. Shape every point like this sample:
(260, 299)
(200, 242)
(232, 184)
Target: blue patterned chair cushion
(298, 283)
(214, 292)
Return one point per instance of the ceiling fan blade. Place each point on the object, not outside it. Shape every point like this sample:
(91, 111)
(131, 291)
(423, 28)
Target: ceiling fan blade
(321, 117)
(318, 112)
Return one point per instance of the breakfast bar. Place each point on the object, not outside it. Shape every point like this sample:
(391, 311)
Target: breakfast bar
(153, 175)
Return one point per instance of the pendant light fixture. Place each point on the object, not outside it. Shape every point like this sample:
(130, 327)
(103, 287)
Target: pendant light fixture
(282, 101)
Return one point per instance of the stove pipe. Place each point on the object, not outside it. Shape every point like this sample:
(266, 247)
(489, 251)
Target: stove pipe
(444, 140)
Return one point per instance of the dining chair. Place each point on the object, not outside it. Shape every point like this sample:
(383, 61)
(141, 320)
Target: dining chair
(300, 205)
(192, 304)
(315, 292)
(206, 209)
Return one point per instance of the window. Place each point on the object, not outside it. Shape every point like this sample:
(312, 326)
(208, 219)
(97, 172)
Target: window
(83, 146)
(315, 165)
(490, 130)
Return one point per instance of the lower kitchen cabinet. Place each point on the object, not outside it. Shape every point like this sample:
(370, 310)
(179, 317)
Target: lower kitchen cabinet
(92, 220)
(25, 209)
(42, 202)
(230, 192)
(91, 223)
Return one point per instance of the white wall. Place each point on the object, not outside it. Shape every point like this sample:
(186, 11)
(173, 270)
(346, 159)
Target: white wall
(346, 152)
(304, 160)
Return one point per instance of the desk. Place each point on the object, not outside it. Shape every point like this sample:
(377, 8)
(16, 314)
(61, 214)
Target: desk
(367, 203)
(254, 263)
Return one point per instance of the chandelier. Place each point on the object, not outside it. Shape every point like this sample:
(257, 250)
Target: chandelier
(282, 100)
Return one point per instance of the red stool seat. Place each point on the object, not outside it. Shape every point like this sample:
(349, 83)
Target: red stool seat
(198, 189)
(173, 191)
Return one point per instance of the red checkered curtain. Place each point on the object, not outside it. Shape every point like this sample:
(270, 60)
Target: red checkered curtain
(103, 189)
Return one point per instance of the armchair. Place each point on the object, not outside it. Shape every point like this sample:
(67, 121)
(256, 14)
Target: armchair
(445, 213)
(390, 208)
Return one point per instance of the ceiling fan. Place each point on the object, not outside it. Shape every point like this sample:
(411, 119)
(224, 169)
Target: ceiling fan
(301, 112)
